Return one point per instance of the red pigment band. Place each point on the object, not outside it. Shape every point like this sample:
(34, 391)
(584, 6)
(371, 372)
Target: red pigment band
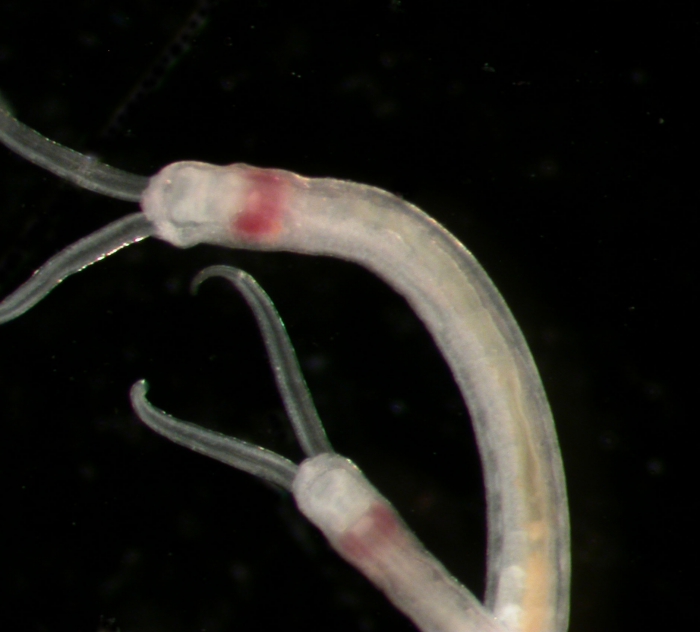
(374, 531)
(265, 204)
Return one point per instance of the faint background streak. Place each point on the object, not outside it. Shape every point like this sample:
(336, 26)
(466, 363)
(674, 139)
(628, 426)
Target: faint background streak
(556, 143)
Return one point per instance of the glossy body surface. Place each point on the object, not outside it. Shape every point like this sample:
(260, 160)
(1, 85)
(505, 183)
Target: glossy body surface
(560, 156)
(240, 206)
(447, 288)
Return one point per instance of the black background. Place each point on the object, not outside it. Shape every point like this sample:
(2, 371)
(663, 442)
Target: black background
(559, 144)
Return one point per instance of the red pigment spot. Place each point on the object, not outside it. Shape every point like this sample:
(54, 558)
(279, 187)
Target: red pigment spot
(375, 530)
(264, 206)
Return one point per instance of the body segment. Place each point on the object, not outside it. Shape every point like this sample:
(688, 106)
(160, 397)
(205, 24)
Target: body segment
(528, 546)
(239, 206)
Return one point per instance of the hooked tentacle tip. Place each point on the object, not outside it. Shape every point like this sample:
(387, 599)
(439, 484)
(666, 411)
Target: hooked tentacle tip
(139, 390)
(225, 272)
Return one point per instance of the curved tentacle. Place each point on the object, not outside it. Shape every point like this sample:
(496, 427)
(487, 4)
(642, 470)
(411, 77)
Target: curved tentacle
(244, 456)
(285, 365)
(295, 394)
(83, 171)
(74, 258)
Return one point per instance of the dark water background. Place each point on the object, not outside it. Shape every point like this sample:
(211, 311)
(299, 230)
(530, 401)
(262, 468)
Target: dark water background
(558, 144)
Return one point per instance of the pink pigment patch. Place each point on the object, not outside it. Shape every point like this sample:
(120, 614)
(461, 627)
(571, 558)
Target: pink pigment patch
(374, 531)
(265, 205)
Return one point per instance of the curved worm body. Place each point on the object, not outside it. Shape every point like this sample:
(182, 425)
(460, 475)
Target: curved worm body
(245, 207)
(240, 206)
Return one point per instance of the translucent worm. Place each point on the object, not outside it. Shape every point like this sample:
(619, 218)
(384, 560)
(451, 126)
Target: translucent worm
(239, 206)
